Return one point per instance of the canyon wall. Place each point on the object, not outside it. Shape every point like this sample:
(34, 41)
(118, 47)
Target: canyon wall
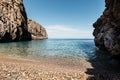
(13, 22)
(107, 28)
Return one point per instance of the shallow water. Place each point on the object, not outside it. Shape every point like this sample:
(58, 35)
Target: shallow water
(56, 48)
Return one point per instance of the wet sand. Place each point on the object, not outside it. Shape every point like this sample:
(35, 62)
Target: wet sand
(16, 68)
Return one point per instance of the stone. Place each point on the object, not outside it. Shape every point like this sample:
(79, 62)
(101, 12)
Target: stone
(13, 21)
(37, 31)
(107, 28)
(15, 25)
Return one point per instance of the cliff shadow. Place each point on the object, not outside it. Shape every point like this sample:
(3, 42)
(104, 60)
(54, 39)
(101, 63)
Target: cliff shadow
(104, 67)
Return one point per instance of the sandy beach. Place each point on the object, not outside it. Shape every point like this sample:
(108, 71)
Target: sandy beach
(16, 68)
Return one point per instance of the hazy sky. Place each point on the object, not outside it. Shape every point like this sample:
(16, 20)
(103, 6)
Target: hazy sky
(65, 18)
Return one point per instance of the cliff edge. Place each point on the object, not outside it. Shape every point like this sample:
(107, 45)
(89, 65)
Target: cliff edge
(107, 28)
(14, 24)
(13, 21)
(37, 31)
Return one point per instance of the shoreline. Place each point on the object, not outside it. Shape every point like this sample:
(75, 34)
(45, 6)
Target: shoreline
(19, 68)
(42, 69)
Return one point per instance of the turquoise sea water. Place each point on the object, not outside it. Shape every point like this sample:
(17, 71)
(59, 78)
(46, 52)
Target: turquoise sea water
(56, 48)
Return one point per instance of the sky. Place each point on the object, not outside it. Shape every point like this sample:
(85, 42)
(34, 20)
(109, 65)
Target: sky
(65, 18)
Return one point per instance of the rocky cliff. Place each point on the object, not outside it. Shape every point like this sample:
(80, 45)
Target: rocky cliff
(107, 28)
(37, 31)
(13, 21)
(14, 25)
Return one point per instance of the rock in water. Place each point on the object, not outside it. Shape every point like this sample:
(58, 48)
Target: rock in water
(107, 28)
(36, 30)
(13, 21)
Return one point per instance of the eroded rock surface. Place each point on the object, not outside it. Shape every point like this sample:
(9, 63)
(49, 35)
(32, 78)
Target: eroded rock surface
(14, 25)
(107, 28)
(13, 21)
(37, 31)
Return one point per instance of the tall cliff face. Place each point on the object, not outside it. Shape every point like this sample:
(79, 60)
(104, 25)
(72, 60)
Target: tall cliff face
(107, 28)
(14, 25)
(37, 31)
(13, 21)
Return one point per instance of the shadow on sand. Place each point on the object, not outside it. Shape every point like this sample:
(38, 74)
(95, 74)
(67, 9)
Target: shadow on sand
(104, 67)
